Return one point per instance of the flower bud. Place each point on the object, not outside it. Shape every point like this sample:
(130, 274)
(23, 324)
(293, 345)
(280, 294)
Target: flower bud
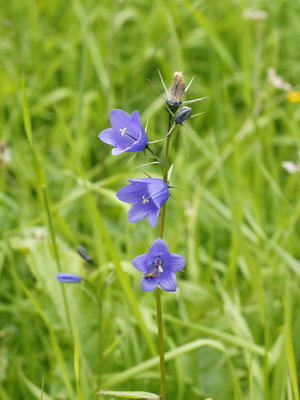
(65, 277)
(84, 254)
(183, 115)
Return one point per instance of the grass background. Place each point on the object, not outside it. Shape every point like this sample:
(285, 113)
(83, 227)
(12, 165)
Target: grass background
(233, 332)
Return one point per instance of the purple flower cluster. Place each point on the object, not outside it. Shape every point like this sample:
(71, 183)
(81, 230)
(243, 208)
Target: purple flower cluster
(147, 196)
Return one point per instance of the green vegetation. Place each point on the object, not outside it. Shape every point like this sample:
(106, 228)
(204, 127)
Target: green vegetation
(233, 330)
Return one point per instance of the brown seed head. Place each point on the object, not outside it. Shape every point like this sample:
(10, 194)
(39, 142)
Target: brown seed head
(177, 89)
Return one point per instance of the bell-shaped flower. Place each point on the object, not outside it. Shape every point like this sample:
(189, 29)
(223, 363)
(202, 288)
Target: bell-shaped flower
(126, 134)
(65, 277)
(158, 267)
(148, 195)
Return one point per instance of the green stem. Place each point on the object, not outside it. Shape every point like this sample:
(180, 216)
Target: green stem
(100, 337)
(166, 168)
(160, 328)
(55, 251)
(161, 346)
(154, 155)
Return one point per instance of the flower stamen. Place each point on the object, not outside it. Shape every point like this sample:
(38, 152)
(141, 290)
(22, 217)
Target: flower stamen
(158, 262)
(145, 200)
(124, 132)
(157, 268)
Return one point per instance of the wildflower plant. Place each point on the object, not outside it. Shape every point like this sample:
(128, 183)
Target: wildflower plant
(149, 198)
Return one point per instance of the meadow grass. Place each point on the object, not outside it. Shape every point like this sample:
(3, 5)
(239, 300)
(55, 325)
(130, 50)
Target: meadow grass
(233, 330)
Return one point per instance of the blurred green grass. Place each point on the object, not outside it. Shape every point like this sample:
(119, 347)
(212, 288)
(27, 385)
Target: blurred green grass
(233, 331)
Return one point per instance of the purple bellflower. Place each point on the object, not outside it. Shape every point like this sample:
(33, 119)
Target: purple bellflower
(148, 195)
(65, 277)
(126, 134)
(158, 267)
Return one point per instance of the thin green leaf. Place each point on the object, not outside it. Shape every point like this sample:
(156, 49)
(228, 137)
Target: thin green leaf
(131, 395)
(146, 365)
(26, 114)
(76, 356)
(170, 172)
(36, 391)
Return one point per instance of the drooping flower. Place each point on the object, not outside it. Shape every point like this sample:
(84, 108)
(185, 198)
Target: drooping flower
(126, 134)
(65, 277)
(158, 267)
(148, 195)
(183, 115)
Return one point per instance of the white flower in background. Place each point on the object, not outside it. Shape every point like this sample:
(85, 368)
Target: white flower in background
(277, 81)
(255, 15)
(290, 166)
(5, 154)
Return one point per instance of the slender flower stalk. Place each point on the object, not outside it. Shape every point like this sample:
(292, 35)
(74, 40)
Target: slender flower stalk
(160, 330)
(165, 177)
(160, 327)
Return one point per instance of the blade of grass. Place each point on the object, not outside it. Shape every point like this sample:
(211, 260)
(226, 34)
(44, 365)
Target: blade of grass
(289, 346)
(55, 346)
(146, 365)
(122, 276)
